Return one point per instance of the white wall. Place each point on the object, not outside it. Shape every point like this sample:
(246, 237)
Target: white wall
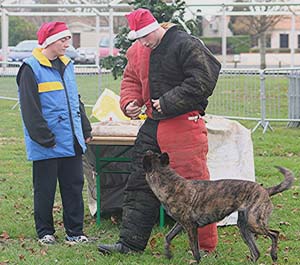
(272, 60)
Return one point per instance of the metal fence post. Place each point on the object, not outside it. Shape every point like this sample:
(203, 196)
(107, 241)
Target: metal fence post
(294, 99)
(263, 122)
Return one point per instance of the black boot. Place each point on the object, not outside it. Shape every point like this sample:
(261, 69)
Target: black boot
(114, 248)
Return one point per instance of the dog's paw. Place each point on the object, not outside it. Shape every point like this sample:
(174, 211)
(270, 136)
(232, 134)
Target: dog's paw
(168, 254)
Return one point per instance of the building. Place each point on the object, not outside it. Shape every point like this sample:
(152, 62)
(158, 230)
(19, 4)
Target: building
(212, 26)
(282, 35)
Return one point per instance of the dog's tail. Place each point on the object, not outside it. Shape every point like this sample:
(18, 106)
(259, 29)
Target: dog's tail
(285, 184)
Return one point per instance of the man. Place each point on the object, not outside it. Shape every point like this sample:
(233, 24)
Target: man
(56, 130)
(172, 74)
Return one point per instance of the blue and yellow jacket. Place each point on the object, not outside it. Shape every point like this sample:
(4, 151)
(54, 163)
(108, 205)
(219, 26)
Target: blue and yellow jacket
(60, 109)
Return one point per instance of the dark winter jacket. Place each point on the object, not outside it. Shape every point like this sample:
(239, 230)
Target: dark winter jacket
(182, 75)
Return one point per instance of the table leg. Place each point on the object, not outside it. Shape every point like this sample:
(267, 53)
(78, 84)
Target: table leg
(161, 217)
(98, 187)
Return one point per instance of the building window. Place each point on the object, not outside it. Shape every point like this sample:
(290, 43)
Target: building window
(76, 40)
(284, 40)
(268, 41)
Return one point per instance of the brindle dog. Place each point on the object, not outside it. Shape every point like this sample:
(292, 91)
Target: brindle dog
(196, 203)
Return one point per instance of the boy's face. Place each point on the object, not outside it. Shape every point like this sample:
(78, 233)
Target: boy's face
(59, 47)
(151, 40)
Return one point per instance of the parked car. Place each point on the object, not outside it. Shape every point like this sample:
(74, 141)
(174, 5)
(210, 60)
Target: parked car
(9, 48)
(104, 48)
(86, 55)
(24, 49)
(72, 53)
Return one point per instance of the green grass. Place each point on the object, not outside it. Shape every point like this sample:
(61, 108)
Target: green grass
(18, 243)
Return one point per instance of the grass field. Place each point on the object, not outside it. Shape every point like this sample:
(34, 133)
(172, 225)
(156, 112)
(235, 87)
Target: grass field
(18, 243)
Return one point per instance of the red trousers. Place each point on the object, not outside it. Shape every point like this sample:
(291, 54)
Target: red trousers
(187, 145)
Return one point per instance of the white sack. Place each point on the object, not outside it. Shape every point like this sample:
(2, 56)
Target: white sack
(230, 153)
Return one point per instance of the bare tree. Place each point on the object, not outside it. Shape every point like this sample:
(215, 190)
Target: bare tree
(257, 25)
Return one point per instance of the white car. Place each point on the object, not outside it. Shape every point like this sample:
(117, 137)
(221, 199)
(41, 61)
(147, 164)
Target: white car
(24, 49)
(86, 55)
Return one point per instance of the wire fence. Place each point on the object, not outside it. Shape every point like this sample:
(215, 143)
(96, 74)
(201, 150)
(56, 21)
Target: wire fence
(265, 96)
(270, 95)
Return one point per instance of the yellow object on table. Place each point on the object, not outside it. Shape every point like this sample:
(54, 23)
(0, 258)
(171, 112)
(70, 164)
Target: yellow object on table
(107, 107)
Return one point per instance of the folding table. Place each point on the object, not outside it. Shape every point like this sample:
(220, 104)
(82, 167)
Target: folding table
(125, 143)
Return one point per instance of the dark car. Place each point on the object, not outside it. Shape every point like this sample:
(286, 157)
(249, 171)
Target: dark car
(25, 47)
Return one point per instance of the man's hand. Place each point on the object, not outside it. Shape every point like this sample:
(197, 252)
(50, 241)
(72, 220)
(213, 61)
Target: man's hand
(87, 140)
(156, 104)
(133, 110)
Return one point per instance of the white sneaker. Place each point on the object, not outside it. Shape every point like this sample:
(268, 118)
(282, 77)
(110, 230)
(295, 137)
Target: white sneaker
(72, 240)
(47, 240)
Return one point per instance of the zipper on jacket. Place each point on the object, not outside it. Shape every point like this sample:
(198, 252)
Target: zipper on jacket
(61, 73)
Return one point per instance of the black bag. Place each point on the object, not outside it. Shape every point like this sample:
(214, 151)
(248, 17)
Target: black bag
(112, 185)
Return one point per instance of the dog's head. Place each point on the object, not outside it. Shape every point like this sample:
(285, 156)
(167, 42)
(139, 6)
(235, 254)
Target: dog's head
(152, 161)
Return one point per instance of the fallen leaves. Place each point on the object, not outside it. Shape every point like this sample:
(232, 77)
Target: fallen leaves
(156, 254)
(114, 220)
(153, 240)
(284, 223)
(287, 250)
(43, 252)
(282, 237)
(57, 208)
(4, 235)
(21, 257)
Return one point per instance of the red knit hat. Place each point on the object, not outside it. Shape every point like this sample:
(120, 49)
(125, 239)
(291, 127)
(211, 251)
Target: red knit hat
(141, 22)
(51, 32)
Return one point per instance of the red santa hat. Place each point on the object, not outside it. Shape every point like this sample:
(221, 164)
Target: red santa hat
(141, 22)
(51, 32)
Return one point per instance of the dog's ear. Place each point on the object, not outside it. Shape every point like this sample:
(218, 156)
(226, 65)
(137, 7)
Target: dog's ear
(147, 165)
(164, 159)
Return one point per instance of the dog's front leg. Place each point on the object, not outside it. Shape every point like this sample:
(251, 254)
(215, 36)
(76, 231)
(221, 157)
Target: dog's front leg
(171, 234)
(191, 229)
